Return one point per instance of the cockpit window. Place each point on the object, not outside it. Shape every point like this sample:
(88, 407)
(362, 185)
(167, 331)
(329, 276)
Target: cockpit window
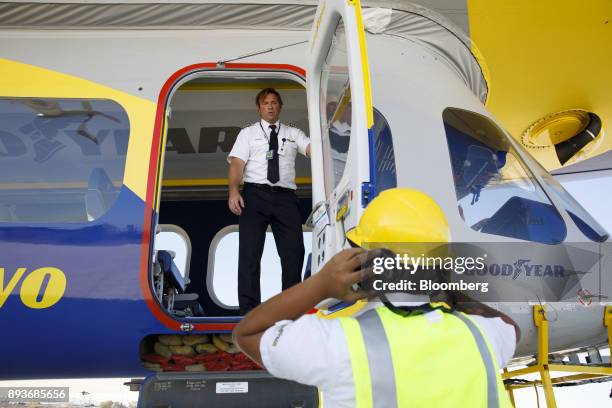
(384, 153)
(496, 193)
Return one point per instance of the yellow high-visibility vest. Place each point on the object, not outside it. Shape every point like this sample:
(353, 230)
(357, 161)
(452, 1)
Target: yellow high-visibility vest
(420, 361)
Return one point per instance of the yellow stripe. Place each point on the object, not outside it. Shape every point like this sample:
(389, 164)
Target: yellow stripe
(359, 362)
(365, 66)
(341, 212)
(216, 182)
(194, 182)
(238, 87)
(28, 81)
(160, 165)
(118, 183)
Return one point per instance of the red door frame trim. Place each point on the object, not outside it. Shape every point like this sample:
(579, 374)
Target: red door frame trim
(147, 291)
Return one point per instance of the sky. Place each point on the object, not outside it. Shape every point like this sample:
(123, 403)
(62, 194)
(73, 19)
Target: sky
(595, 195)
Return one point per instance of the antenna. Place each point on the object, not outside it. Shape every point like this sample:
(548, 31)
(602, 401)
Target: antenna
(221, 63)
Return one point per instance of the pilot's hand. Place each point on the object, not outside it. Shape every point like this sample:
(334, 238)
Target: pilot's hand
(341, 274)
(235, 202)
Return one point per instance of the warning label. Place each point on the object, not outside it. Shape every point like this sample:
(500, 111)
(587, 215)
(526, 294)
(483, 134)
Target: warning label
(232, 387)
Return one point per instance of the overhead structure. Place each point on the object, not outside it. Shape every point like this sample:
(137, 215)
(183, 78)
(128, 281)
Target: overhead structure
(536, 65)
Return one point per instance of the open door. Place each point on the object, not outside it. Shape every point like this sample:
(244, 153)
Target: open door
(341, 120)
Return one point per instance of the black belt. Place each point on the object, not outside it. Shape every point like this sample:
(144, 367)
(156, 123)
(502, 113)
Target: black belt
(267, 187)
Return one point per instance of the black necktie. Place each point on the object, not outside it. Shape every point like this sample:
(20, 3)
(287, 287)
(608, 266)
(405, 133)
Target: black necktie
(273, 173)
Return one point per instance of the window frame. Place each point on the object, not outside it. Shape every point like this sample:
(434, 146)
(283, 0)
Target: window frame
(329, 178)
(212, 250)
(516, 152)
(86, 191)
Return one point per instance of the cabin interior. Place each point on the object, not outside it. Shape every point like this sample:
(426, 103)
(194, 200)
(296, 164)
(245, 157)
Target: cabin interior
(197, 233)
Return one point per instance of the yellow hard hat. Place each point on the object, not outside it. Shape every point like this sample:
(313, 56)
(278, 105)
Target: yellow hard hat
(400, 215)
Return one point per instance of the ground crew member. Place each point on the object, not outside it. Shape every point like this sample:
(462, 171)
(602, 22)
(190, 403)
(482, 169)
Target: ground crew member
(266, 152)
(385, 356)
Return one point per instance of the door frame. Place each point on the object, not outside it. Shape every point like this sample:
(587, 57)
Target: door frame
(154, 180)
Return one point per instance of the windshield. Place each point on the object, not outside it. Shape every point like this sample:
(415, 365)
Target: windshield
(496, 192)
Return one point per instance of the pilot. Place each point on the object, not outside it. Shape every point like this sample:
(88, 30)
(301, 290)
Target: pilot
(264, 153)
(388, 354)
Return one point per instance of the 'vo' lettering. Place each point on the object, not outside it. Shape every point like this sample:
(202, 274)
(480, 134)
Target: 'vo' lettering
(34, 293)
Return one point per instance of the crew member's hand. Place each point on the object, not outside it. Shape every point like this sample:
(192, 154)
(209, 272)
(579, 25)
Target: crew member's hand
(343, 271)
(235, 202)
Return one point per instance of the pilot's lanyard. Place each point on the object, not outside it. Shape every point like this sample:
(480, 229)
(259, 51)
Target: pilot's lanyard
(270, 153)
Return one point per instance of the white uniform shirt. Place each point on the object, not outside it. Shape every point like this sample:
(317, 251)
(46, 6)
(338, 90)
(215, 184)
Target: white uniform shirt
(252, 145)
(314, 351)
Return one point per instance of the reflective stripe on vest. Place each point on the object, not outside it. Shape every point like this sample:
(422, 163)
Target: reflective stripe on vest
(380, 362)
(379, 359)
(487, 358)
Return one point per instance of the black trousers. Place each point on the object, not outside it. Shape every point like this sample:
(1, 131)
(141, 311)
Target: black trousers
(280, 210)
